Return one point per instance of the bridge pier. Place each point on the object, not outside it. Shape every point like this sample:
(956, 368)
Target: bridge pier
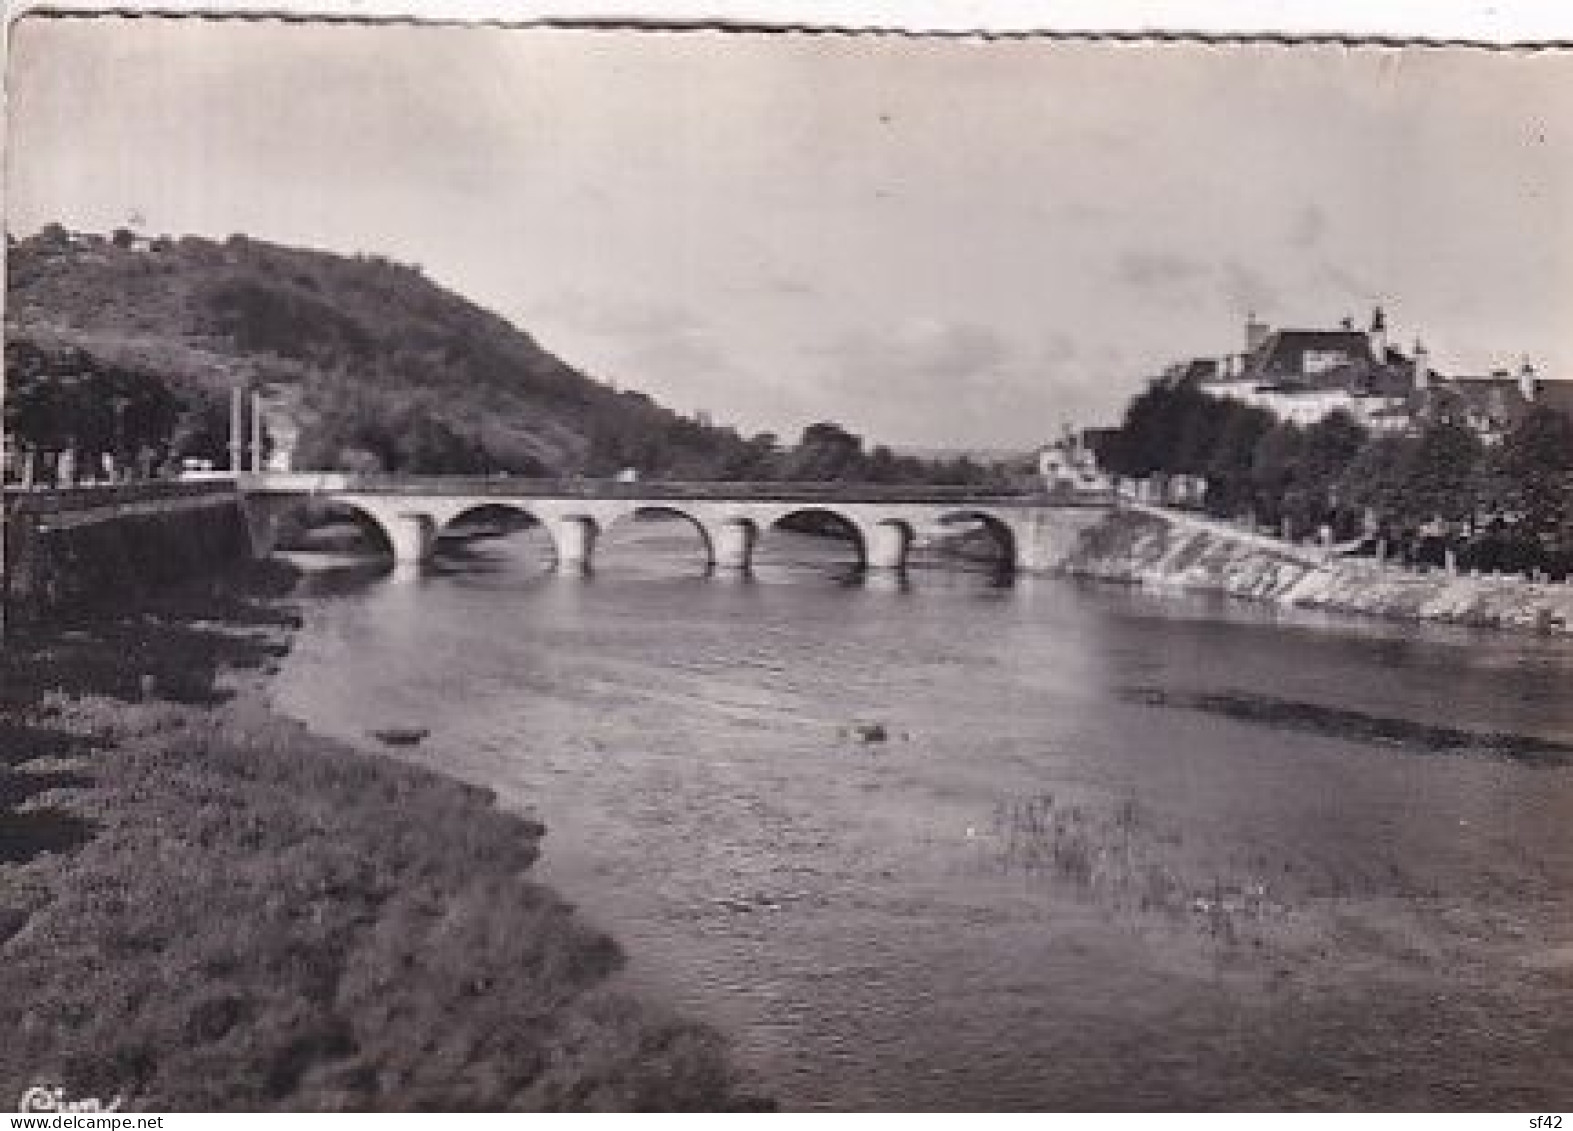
(732, 546)
(412, 535)
(575, 541)
(262, 516)
(886, 581)
(887, 546)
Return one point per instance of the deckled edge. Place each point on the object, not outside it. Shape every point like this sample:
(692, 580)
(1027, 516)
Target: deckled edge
(19, 10)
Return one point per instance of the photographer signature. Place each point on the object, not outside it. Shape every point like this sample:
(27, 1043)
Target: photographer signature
(54, 1099)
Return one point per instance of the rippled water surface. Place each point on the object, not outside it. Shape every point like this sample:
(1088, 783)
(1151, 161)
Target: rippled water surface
(953, 844)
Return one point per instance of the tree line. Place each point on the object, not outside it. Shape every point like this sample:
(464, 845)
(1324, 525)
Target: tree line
(1429, 495)
(359, 429)
(110, 418)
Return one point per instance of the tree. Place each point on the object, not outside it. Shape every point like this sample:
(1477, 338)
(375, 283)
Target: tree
(825, 452)
(1194, 432)
(1274, 468)
(1331, 445)
(1441, 477)
(883, 467)
(1372, 481)
(61, 399)
(1146, 434)
(1533, 476)
(1228, 470)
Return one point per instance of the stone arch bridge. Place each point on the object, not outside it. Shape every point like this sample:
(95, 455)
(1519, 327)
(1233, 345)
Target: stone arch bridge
(411, 512)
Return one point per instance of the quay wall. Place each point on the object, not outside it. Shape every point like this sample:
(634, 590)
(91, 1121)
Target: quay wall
(101, 547)
(1157, 549)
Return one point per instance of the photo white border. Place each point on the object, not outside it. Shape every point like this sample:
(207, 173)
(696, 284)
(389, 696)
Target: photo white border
(1492, 23)
(1487, 22)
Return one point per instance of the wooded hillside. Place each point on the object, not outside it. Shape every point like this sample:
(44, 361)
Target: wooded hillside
(375, 366)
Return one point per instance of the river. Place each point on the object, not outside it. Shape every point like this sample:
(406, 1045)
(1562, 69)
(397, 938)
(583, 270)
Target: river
(958, 844)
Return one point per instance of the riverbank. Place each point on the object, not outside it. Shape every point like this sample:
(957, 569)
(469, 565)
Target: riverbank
(1160, 550)
(205, 906)
(92, 549)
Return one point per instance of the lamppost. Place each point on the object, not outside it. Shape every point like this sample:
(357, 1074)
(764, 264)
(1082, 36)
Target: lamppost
(237, 430)
(256, 433)
(118, 472)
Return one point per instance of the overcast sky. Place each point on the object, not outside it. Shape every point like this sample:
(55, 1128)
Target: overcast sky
(937, 242)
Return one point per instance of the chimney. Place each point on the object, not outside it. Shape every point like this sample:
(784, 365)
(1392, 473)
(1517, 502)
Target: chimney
(1528, 384)
(1255, 332)
(1422, 363)
(1379, 335)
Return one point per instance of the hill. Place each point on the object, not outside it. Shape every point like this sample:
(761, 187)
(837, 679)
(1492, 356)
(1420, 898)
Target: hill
(371, 362)
(365, 364)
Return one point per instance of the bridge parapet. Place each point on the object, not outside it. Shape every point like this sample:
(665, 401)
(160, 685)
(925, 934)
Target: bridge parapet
(102, 496)
(296, 482)
(510, 487)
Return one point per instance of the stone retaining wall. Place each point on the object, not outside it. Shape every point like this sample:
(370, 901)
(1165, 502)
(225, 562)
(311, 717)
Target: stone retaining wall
(55, 561)
(1163, 550)
(1402, 594)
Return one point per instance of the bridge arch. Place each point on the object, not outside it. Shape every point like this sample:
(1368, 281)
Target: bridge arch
(999, 531)
(479, 508)
(645, 511)
(273, 519)
(817, 519)
(501, 517)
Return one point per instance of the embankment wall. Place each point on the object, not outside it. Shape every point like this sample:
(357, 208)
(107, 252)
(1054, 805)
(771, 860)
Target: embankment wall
(57, 560)
(1164, 550)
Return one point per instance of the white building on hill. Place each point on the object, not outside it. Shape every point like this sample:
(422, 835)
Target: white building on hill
(1303, 376)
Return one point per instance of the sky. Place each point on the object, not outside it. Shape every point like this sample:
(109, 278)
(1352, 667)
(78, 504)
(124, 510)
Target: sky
(937, 242)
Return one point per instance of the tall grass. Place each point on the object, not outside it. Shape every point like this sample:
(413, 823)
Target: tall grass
(1123, 858)
(256, 918)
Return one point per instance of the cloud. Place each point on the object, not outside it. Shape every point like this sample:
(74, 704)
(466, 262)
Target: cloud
(976, 384)
(1157, 270)
(1345, 283)
(1244, 289)
(1059, 347)
(645, 345)
(685, 353)
(785, 286)
(1167, 281)
(920, 351)
(614, 317)
(1308, 227)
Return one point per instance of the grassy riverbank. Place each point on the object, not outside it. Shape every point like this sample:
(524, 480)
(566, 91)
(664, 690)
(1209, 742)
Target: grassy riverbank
(205, 906)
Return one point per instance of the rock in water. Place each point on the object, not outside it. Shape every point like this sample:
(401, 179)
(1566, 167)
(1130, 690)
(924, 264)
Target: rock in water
(400, 736)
